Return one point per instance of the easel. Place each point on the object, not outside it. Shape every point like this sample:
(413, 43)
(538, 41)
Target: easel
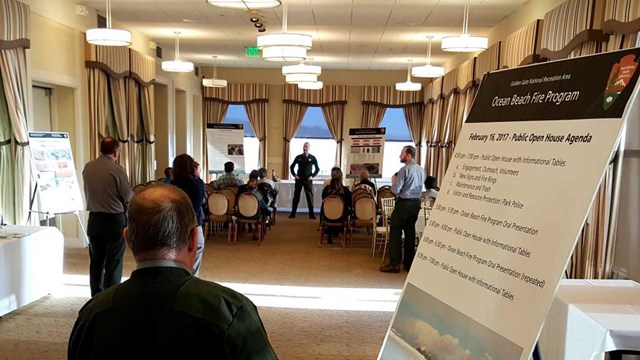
(48, 215)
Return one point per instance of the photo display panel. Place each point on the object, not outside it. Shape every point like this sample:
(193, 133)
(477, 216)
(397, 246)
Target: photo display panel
(225, 142)
(528, 163)
(366, 151)
(55, 172)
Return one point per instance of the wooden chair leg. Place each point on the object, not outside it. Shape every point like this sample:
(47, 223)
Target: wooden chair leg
(321, 234)
(344, 236)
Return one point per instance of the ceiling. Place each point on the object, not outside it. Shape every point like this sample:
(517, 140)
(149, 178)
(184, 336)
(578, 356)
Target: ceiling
(347, 34)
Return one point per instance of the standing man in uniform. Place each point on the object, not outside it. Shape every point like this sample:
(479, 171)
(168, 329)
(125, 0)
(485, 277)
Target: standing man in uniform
(304, 178)
(108, 193)
(407, 186)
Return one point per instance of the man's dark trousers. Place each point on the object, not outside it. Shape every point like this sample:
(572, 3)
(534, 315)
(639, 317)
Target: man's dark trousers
(308, 192)
(106, 249)
(403, 218)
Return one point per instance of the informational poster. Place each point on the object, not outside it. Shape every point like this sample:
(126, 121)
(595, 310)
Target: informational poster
(58, 187)
(512, 203)
(366, 150)
(225, 142)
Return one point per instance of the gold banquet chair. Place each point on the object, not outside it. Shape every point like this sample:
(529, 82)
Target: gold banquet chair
(248, 212)
(364, 216)
(218, 207)
(333, 214)
(388, 204)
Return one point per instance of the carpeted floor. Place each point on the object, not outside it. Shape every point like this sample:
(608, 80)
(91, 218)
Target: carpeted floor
(316, 303)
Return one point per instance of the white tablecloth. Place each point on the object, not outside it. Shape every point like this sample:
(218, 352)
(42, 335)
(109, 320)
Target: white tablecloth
(285, 196)
(591, 317)
(30, 266)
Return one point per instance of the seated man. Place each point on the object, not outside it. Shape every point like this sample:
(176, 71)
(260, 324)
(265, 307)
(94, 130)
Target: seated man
(267, 187)
(229, 178)
(163, 311)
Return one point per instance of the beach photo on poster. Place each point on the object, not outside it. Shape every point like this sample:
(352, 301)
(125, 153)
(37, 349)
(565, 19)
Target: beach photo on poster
(426, 328)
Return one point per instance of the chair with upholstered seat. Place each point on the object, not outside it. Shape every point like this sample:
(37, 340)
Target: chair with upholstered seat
(218, 209)
(333, 214)
(364, 215)
(248, 212)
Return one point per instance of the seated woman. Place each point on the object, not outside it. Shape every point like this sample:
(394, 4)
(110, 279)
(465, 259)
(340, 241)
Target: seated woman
(336, 187)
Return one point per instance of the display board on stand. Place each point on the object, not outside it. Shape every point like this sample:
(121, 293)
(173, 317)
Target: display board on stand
(225, 142)
(366, 151)
(524, 173)
(58, 187)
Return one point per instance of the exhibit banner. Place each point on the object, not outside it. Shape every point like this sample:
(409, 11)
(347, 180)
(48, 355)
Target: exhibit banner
(366, 150)
(529, 159)
(225, 142)
(58, 187)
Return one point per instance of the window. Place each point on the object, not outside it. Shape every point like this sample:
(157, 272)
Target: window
(315, 131)
(236, 114)
(397, 137)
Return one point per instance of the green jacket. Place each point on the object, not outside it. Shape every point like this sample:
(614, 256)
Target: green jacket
(165, 313)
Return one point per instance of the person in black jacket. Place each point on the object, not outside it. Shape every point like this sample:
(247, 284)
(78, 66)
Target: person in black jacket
(184, 177)
(304, 179)
(162, 311)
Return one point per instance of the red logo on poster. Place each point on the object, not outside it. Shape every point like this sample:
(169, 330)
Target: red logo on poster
(619, 77)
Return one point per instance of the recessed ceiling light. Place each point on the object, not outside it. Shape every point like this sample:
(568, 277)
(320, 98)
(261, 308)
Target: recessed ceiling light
(191, 20)
(262, 30)
(254, 19)
(258, 25)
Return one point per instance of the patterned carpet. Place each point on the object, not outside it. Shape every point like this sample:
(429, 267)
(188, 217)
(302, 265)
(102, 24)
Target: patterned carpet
(316, 303)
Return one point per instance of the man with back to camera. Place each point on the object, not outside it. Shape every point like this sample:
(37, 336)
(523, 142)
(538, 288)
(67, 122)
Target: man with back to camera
(407, 186)
(162, 311)
(229, 178)
(304, 179)
(108, 192)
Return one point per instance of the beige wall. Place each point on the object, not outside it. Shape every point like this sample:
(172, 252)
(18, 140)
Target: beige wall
(56, 59)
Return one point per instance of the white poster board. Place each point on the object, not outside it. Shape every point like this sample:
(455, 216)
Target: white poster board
(55, 172)
(225, 142)
(523, 175)
(366, 151)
